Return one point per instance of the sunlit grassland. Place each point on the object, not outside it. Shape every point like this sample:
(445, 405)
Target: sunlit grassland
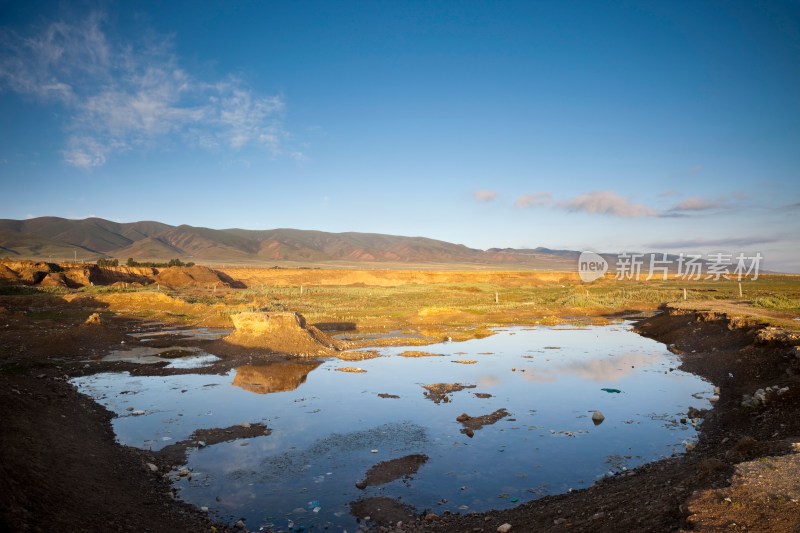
(430, 303)
(464, 304)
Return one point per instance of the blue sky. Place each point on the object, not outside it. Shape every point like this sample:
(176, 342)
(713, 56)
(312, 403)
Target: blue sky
(651, 126)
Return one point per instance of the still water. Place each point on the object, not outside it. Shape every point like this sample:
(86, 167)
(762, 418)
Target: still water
(329, 427)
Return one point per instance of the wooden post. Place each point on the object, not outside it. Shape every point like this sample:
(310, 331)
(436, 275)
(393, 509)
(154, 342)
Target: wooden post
(497, 297)
(684, 293)
(740, 289)
(301, 288)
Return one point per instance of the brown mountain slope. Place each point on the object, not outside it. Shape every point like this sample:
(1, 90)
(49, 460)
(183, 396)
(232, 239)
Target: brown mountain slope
(92, 238)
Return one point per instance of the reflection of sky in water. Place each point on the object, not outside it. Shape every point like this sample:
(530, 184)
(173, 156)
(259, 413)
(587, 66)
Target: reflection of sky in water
(325, 429)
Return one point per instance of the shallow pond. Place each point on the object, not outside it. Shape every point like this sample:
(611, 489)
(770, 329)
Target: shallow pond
(329, 427)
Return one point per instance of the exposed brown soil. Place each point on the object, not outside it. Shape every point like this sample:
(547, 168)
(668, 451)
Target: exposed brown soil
(438, 392)
(417, 353)
(279, 332)
(362, 355)
(382, 510)
(387, 471)
(74, 276)
(474, 423)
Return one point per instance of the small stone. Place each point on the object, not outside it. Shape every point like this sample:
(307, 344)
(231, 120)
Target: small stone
(468, 432)
(138, 412)
(153, 468)
(183, 472)
(204, 509)
(559, 521)
(505, 528)
(361, 485)
(597, 418)
(463, 417)
(431, 517)
(239, 524)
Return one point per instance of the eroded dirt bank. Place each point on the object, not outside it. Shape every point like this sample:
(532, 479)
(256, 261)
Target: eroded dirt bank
(60, 468)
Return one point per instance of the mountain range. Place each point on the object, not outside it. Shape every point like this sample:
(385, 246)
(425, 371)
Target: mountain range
(59, 239)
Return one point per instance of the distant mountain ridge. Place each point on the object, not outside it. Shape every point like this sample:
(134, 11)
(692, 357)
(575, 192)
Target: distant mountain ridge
(57, 239)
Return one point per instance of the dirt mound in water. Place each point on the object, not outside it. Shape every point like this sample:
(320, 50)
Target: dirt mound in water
(285, 333)
(275, 377)
(177, 277)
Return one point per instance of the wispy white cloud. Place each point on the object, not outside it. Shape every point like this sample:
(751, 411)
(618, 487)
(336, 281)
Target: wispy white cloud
(697, 203)
(607, 203)
(134, 95)
(711, 243)
(485, 195)
(534, 199)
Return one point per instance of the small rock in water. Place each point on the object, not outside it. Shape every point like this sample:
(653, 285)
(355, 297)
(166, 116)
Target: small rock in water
(239, 524)
(361, 485)
(505, 528)
(138, 412)
(204, 509)
(597, 418)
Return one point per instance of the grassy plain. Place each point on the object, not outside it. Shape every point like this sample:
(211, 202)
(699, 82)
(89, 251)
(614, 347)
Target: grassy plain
(434, 304)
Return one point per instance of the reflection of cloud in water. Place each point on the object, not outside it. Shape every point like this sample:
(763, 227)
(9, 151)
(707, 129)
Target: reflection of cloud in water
(488, 381)
(281, 376)
(607, 369)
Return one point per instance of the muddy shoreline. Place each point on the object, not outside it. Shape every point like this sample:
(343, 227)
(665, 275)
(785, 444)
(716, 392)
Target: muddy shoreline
(61, 468)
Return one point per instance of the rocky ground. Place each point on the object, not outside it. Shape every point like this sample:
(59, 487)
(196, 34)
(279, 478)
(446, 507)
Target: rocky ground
(60, 468)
